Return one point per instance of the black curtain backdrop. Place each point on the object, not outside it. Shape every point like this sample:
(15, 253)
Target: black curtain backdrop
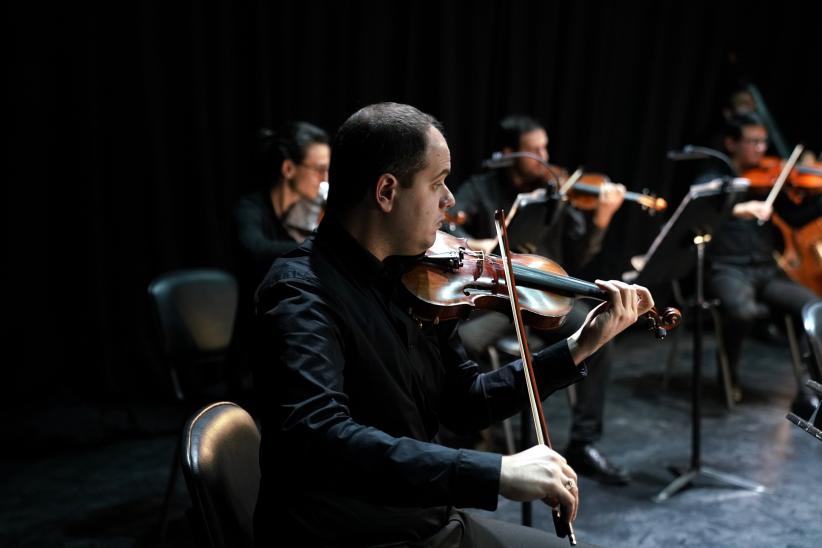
(134, 130)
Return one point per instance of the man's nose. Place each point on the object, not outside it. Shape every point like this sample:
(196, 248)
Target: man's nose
(449, 198)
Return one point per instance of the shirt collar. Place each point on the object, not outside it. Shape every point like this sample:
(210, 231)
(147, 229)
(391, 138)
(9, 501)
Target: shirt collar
(357, 259)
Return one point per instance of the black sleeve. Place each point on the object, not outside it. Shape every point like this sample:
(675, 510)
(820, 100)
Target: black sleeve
(468, 201)
(798, 215)
(474, 400)
(582, 239)
(255, 243)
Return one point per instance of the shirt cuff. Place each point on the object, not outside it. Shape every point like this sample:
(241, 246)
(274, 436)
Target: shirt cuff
(477, 479)
(555, 368)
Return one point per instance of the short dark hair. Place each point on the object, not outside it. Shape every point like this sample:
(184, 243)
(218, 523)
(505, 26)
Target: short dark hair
(735, 124)
(511, 128)
(377, 139)
(289, 142)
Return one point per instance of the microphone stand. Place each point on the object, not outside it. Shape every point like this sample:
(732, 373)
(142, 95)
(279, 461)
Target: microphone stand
(693, 152)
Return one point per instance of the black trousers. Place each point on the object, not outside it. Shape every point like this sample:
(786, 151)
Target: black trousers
(742, 290)
(587, 413)
(466, 530)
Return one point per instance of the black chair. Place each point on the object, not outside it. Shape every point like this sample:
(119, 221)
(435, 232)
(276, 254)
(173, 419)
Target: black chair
(194, 311)
(812, 322)
(220, 447)
(763, 313)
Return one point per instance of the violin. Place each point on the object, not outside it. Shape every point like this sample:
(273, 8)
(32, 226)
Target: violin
(305, 215)
(451, 280)
(806, 177)
(582, 189)
(456, 218)
(583, 193)
(801, 258)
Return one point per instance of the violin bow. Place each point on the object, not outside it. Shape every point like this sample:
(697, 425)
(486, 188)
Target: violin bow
(562, 524)
(783, 175)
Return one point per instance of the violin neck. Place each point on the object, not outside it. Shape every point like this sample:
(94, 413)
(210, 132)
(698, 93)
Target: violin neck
(565, 285)
(594, 189)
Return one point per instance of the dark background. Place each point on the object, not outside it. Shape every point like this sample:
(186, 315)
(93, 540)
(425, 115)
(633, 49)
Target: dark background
(134, 131)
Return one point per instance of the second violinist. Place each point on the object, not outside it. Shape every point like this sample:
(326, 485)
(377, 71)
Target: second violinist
(570, 237)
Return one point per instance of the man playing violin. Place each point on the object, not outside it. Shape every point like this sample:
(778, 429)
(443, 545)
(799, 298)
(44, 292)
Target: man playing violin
(568, 236)
(355, 387)
(742, 271)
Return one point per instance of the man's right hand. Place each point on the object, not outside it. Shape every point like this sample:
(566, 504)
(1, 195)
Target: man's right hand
(754, 209)
(539, 473)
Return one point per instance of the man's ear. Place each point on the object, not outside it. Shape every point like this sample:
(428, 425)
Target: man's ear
(386, 191)
(287, 169)
(730, 144)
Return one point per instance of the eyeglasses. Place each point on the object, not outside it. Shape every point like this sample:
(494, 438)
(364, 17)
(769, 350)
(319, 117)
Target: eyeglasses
(321, 169)
(754, 141)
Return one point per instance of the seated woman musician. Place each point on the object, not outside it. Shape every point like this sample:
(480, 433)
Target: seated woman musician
(293, 165)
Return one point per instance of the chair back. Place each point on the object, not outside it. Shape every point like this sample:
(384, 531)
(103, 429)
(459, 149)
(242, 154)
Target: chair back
(195, 310)
(812, 322)
(220, 450)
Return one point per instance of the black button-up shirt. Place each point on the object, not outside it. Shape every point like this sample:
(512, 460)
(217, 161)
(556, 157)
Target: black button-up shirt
(566, 235)
(746, 241)
(353, 391)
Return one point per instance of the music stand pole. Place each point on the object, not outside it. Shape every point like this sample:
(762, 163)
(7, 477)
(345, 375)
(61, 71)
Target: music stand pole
(696, 469)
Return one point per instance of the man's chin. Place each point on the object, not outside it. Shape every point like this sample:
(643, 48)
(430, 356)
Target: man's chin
(422, 246)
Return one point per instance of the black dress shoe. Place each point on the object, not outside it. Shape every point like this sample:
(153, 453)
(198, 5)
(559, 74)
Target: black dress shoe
(588, 461)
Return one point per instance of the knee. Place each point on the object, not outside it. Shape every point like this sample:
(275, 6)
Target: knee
(745, 312)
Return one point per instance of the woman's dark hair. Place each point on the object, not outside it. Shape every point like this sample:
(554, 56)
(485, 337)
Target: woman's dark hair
(377, 139)
(289, 142)
(511, 128)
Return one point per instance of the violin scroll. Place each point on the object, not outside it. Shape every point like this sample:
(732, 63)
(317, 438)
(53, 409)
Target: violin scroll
(659, 324)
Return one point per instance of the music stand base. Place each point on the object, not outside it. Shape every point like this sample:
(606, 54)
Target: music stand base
(689, 476)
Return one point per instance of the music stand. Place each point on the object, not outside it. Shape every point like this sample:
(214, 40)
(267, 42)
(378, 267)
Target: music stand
(531, 215)
(671, 257)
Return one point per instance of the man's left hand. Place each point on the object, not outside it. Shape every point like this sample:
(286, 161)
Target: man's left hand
(611, 196)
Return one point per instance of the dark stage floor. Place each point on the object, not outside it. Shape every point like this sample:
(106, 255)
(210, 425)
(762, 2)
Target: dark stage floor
(108, 493)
